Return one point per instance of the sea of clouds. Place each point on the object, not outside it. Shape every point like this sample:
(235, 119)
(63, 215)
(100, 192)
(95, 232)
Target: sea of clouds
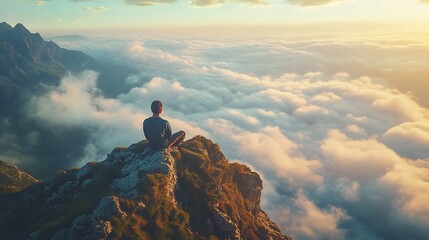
(342, 152)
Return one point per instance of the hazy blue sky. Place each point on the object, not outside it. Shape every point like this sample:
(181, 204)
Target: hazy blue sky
(84, 15)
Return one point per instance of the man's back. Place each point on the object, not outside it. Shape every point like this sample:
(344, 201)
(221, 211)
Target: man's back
(157, 131)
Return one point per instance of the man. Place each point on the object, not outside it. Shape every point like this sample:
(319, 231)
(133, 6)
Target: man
(158, 131)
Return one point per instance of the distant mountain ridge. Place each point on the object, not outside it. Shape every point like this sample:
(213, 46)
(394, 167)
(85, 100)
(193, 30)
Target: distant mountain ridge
(4, 27)
(73, 37)
(137, 193)
(27, 60)
(13, 179)
(29, 67)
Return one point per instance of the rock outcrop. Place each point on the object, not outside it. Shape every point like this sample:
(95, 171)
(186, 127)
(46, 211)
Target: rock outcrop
(137, 193)
(13, 179)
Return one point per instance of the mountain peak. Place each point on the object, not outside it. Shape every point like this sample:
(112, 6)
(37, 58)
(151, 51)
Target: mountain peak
(5, 27)
(28, 60)
(19, 27)
(136, 193)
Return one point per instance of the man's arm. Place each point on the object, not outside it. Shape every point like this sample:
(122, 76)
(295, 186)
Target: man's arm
(145, 129)
(168, 131)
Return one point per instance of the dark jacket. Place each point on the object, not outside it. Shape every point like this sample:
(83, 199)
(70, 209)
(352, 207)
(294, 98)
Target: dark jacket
(157, 131)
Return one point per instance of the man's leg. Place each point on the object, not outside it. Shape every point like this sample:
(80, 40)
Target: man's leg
(177, 139)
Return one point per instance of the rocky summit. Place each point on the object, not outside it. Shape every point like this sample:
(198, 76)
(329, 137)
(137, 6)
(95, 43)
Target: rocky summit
(188, 193)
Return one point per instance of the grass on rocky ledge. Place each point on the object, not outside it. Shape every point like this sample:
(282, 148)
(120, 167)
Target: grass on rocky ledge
(205, 181)
(37, 214)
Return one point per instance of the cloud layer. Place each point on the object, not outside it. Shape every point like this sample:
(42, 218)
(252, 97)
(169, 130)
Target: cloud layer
(307, 3)
(204, 3)
(208, 3)
(147, 2)
(343, 155)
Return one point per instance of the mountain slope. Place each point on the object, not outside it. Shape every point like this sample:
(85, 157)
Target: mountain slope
(27, 60)
(29, 67)
(13, 179)
(28, 64)
(191, 193)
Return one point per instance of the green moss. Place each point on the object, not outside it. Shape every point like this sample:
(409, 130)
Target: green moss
(207, 182)
(164, 219)
(37, 215)
(89, 196)
(139, 147)
(130, 228)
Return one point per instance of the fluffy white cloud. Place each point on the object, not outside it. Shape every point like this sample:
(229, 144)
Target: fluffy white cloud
(71, 102)
(362, 160)
(324, 98)
(411, 185)
(310, 112)
(269, 151)
(410, 139)
(147, 2)
(307, 221)
(204, 3)
(96, 9)
(332, 146)
(199, 3)
(77, 102)
(174, 95)
(400, 106)
(353, 128)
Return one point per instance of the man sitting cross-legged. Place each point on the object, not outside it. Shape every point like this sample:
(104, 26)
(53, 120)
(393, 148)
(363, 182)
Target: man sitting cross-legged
(158, 131)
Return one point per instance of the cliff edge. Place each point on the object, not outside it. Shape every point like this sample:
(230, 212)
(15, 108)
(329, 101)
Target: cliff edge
(135, 193)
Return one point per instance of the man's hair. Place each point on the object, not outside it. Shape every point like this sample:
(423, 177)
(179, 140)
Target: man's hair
(156, 107)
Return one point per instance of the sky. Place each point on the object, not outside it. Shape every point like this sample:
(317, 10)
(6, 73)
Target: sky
(326, 100)
(103, 16)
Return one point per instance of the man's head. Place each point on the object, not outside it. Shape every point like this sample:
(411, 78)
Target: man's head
(156, 107)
